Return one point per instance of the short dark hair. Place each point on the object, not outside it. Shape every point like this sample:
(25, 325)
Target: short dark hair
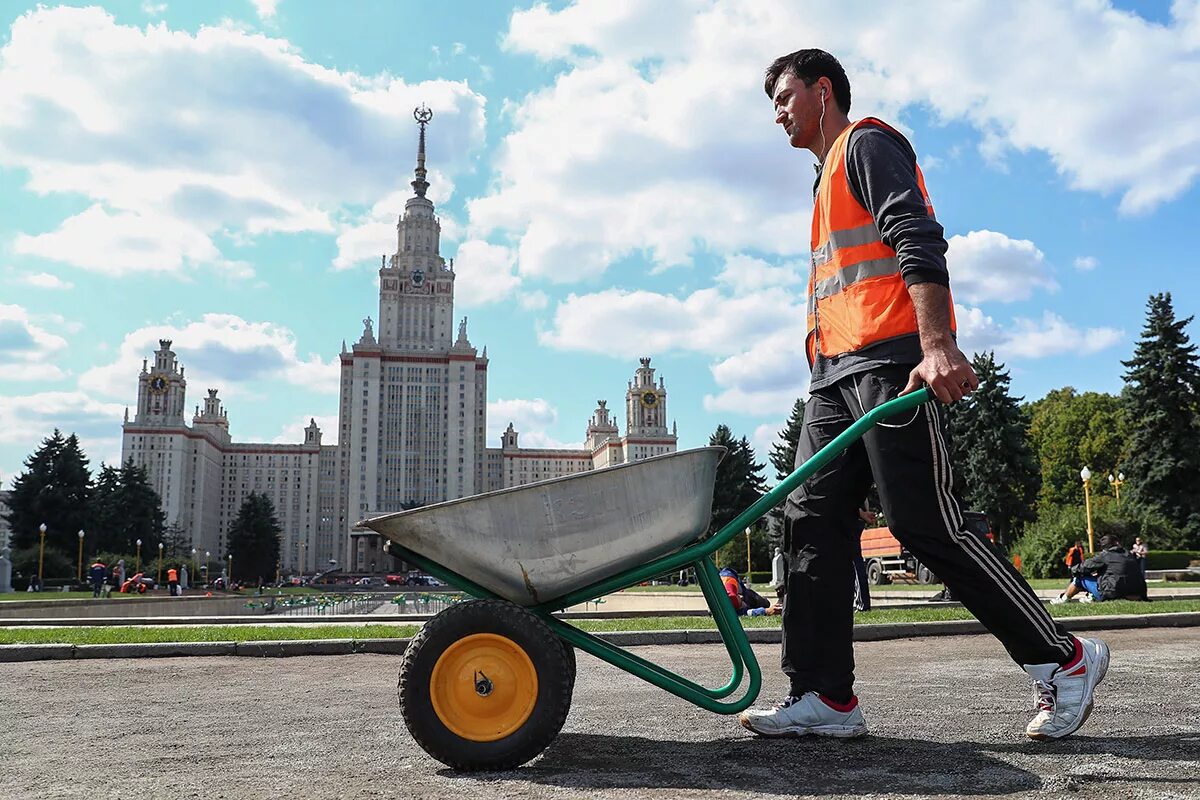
(809, 66)
(1108, 540)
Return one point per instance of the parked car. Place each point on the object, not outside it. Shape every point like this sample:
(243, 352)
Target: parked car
(422, 580)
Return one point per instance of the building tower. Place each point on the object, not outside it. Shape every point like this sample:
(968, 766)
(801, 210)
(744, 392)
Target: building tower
(413, 404)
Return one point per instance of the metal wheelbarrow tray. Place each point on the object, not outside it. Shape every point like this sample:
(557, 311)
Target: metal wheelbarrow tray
(487, 684)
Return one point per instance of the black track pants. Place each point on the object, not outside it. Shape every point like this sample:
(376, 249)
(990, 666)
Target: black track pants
(907, 457)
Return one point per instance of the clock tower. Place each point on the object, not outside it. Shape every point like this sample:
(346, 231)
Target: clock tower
(161, 389)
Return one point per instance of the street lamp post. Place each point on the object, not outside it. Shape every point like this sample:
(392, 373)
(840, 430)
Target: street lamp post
(79, 565)
(195, 576)
(1115, 482)
(41, 552)
(747, 554)
(137, 566)
(160, 549)
(229, 572)
(1086, 475)
(207, 558)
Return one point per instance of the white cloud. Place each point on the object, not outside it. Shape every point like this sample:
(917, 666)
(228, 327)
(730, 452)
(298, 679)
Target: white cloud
(1030, 339)
(765, 379)
(122, 243)
(533, 301)
(986, 265)
(153, 9)
(44, 280)
(27, 350)
(656, 137)
(265, 9)
(262, 141)
(626, 324)
(744, 274)
(1086, 263)
(26, 420)
(483, 273)
(220, 351)
(531, 419)
(293, 432)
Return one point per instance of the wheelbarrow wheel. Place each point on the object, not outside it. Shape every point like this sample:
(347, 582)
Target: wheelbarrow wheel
(485, 685)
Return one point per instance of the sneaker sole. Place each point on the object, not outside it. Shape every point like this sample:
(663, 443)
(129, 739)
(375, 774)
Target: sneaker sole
(1101, 669)
(832, 731)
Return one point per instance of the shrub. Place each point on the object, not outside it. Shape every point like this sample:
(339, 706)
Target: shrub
(1171, 559)
(1044, 543)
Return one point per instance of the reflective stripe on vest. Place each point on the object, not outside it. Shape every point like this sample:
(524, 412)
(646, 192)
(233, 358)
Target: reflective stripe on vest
(856, 295)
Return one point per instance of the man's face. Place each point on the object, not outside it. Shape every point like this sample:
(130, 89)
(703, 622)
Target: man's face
(798, 109)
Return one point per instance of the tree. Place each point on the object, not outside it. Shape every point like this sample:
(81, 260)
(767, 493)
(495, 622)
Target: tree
(1162, 398)
(994, 463)
(1069, 431)
(783, 458)
(177, 545)
(739, 484)
(254, 538)
(54, 490)
(127, 509)
(783, 452)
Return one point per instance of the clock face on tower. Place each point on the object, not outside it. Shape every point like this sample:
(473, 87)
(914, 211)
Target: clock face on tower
(158, 384)
(418, 277)
(649, 399)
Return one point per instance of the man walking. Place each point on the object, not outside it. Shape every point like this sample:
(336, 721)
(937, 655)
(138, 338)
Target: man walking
(881, 323)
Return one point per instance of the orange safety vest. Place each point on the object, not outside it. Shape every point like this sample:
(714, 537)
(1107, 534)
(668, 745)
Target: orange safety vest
(856, 296)
(1073, 551)
(172, 575)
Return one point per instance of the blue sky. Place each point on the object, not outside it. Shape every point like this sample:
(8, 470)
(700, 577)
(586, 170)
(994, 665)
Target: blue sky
(610, 182)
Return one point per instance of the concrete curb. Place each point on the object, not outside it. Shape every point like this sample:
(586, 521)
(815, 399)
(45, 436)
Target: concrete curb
(338, 647)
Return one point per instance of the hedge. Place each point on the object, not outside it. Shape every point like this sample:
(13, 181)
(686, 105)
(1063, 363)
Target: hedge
(1171, 559)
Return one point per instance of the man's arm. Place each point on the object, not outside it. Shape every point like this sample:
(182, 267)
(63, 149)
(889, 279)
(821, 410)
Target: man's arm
(943, 366)
(1094, 564)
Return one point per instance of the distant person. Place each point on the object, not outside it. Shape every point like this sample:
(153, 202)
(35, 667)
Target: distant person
(1074, 555)
(745, 600)
(779, 574)
(1140, 552)
(183, 578)
(172, 582)
(96, 574)
(862, 590)
(1111, 574)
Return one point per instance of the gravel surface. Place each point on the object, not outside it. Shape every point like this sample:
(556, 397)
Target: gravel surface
(947, 718)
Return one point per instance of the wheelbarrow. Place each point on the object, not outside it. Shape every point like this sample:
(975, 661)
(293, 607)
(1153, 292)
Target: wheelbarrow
(487, 683)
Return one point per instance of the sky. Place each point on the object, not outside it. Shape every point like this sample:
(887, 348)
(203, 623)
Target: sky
(610, 181)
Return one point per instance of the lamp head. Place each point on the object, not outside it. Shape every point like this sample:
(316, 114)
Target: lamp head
(1120, 476)
(1085, 473)
(81, 534)
(139, 542)
(42, 528)
(160, 545)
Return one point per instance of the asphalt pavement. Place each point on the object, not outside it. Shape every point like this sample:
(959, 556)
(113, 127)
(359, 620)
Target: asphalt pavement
(946, 715)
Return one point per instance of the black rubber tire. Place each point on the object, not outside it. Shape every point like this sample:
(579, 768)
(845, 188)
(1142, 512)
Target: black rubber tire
(875, 575)
(569, 652)
(555, 673)
(925, 575)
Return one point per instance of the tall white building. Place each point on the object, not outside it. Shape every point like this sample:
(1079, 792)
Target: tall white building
(412, 423)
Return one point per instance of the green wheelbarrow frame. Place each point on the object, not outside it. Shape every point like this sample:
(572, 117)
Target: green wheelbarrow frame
(699, 557)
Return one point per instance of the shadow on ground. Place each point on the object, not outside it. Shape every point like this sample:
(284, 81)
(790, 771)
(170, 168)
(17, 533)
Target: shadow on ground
(813, 766)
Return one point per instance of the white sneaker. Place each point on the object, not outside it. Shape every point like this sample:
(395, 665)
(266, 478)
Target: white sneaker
(1064, 694)
(1086, 597)
(812, 713)
(1062, 599)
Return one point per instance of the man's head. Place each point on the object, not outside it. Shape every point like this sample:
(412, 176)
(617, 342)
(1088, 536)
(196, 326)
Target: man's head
(1079, 543)
(1137, 540)
(803, 86)
(1108, 541)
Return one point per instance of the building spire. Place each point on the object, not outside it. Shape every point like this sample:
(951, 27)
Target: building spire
(422, 115)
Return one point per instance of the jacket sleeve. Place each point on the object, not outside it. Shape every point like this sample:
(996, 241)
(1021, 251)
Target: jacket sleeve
(1094, 564)
(882, 172)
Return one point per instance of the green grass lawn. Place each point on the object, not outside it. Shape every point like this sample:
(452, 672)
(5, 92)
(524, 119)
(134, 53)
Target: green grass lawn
(61, 595)
(245, 633)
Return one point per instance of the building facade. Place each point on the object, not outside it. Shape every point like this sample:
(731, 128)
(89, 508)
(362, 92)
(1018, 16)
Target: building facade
(412, 424)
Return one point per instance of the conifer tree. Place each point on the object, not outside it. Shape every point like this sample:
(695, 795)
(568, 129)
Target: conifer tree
(740, 481)
(55, 491)
(254, 539)
(1162, 395)
(783, 452)
(994, 464)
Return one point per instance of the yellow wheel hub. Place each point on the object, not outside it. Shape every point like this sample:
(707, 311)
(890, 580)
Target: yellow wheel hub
(483, 687)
